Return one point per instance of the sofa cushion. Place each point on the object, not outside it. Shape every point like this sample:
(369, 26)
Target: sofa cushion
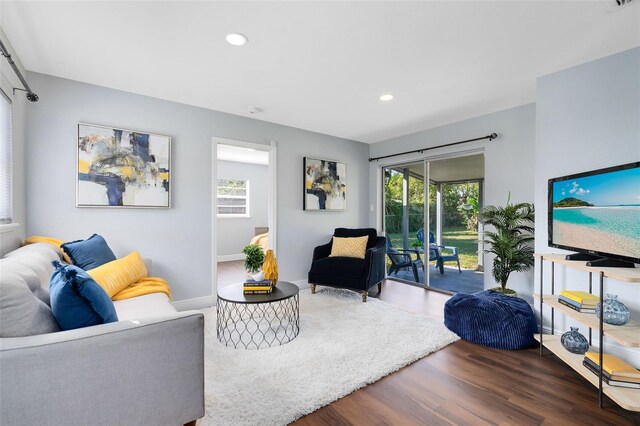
(23, 307)
(350, 267)
(148, 305)
(115, 276)
(90, 253)
(358, 232)
(77, 300)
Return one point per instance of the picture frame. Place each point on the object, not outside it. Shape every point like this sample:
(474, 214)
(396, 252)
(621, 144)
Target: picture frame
(122, 168)
(325, 185)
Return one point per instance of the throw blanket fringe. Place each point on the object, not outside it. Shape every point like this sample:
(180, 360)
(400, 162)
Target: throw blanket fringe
(53, 241)
(144, 286)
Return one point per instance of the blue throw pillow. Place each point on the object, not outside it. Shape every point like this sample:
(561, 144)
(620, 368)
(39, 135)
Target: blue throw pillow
(90, 253)
(77, 300)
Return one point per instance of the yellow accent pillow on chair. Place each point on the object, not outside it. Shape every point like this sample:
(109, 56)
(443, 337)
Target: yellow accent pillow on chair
(349, 247)
(120, 273)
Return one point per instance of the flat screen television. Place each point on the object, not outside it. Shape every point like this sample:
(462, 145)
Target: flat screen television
(597, 214)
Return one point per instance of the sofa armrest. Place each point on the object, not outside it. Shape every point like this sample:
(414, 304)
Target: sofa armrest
(322, 251)
(374, 261)
(147, 371)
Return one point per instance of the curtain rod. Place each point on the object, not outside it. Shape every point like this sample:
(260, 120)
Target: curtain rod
(30, 95)
(491, 137)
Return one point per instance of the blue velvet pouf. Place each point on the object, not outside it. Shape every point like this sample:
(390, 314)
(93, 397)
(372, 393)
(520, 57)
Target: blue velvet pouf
(491, 319)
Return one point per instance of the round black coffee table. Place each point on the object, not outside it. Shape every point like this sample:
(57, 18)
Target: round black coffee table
(259, 320)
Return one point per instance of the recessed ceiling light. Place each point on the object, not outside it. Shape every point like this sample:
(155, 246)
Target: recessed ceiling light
(237, 39)
(386, 97)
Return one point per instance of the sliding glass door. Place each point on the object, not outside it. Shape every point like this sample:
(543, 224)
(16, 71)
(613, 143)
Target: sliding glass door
(445, 194)
(405, 192)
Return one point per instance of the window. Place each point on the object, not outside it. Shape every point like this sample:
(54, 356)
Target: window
(6, 173)
(233, 198)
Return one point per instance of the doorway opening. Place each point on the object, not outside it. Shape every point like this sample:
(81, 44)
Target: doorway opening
(243, 186)
(447, 194)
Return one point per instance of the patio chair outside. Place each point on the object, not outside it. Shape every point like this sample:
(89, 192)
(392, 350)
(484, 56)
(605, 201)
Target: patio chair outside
(401, 259)
(442, 257)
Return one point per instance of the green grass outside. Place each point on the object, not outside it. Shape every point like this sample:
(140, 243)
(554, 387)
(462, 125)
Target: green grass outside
(465, 240)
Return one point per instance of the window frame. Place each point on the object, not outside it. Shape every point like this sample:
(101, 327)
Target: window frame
(246, 197)
(9, 224)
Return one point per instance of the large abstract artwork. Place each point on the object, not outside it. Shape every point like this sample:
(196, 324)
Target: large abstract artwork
(325, 185)
(122, 168)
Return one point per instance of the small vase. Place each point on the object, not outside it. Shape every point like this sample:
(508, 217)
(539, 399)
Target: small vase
(270, 267)
(615, 312)
(574, 342)
(258, 276)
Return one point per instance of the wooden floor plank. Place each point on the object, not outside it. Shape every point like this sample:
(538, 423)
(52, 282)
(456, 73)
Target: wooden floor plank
(470, 384)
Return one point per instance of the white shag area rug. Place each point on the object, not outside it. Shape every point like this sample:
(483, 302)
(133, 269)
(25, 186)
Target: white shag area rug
(343, 345)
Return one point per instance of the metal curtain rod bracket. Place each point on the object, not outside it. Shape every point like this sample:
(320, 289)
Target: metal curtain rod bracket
(491, 137)
(31, 96)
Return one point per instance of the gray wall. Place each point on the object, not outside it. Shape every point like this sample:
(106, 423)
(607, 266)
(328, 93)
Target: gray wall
(8, 80)
(588, 117)
(236, 232)
(508, 164)
(178, 239)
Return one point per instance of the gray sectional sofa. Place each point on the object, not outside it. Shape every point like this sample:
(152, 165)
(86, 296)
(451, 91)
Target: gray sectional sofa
(147, 368)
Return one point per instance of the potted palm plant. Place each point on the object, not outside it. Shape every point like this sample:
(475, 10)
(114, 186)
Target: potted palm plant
(511, 242)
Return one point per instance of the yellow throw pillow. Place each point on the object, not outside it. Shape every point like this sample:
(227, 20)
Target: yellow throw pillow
(120, 273)
(349, 247)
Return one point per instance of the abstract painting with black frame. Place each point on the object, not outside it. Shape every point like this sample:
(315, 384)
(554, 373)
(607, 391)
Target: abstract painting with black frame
(122, 168)
(325, 185)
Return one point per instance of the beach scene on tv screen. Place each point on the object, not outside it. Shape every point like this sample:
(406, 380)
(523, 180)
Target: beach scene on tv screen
(599, 213)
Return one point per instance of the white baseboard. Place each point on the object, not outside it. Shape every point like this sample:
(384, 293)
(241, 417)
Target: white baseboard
(301, 283)
(209, 301)
(193, 304)
(230, 257)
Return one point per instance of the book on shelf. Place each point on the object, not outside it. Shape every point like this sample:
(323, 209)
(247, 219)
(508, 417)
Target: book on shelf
(594, 367)
(614, 366)
(607, 379)
(582, 297)
(576, 307)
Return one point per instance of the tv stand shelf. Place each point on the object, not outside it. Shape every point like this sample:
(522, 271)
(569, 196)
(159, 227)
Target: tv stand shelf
(627, 335)
(628, 275)
(624, 397)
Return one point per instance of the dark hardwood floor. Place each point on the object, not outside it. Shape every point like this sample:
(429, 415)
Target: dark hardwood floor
(466, 384)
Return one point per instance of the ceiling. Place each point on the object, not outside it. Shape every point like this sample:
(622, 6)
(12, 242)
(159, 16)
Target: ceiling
(322, 66)
(470, 167)
(242, 155)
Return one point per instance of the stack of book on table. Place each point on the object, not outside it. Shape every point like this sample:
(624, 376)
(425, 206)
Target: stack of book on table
(580, 301)
(258, 287)
(616, 372)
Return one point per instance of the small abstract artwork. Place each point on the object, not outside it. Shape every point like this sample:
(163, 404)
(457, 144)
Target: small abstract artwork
(122, 168)
(325, 185)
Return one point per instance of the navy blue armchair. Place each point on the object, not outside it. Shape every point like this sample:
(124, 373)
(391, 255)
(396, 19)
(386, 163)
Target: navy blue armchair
(349, 272)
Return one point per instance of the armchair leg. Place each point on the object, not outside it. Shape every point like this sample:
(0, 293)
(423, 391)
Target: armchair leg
(379, 287)
(313, 288)
(365, 293)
